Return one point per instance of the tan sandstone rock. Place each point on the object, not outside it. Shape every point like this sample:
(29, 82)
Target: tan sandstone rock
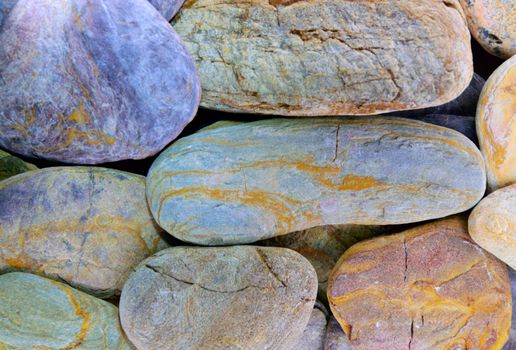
(332, 57)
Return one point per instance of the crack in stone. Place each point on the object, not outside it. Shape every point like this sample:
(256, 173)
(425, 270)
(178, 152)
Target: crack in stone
(265, 261)
(336, 144)
(411, 334)
(406, 260)
(156, 270)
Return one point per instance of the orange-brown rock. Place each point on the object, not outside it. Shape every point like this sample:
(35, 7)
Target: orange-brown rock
(327, 57)
(493, 24)
(430, 287)
(496, 125)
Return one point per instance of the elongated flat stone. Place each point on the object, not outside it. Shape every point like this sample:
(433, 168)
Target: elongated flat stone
(324, 245)
(92, 81)
(11, 165)
(239, 297)
(493, 24)
(37, 313)
(429, 287)
(84, 225)
(333, 57)
(466, 125)
(496, 125)
(168, 8)
(242, 182)
(492, 224)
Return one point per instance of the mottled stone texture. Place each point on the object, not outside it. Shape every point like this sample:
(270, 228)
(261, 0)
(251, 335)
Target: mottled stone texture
(463, 124)
(239, 297)
(315, 331)
(92, 81)
(168, 8)
(11, 165)
(37, 313)
(429, 287)
(328, 57)
(492, 224)
(496, 125)
(242, 182)
(464, 105)
(86, 226)
(5, 8)
(324, 245)
(493, 24)
(335, 339)
(511, 343)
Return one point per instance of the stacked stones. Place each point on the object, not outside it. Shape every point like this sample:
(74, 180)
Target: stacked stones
(340, 230)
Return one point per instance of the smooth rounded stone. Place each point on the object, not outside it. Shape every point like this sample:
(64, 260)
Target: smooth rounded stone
(315, 332)
(493, 24)
(511, 343)
(239, 297)
(464, 105)
(84, 225)
(492, 224)
(329, 57)
(463, 124)
(335, 339)
(496, 125)
(324, 245)
(242, 182)
(167, 8)
(92, 81)
(38, 313)
(11, 165)
(429, 287)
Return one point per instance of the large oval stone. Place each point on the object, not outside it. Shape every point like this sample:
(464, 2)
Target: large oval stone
(463, 124)
(330, 57)
(92, 81)
(167, 8)
(429, 287)
(239, 297)
(86, 226)
(37, 313)
(511, 343)
(496, 125)
(242, 182)
(493, 24)
(324, 245)
(492, 224)
(11, 165)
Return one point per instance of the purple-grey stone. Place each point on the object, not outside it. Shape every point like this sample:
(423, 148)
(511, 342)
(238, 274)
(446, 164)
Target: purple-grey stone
(168, 8)
(92, 81)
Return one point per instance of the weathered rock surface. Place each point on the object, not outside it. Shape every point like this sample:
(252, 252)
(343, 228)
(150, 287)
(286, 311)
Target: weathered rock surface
(324, 245)
(11, 165)
(335, 339)
(464, 105)
(496, 125)
(493, 24)
(92, 82)
(315, 331)
(239, 297)
(332, 57)
(37, 313)
(429, 287)
(492, 224)
(242, 182)
(84, 225)
(511, 343)
(167, 8)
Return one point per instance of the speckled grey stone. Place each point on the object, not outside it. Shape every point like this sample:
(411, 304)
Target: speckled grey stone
(315, 332)
(92, 81)
(239, 297)
(336, 339)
